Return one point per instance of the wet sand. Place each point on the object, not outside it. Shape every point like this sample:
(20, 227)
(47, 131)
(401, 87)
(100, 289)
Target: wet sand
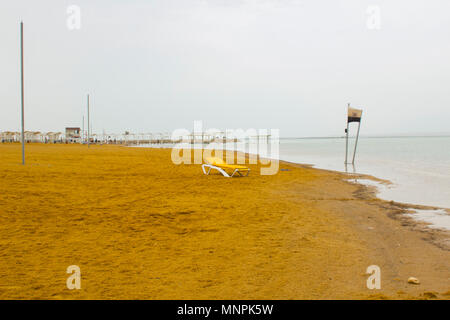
(140, 227)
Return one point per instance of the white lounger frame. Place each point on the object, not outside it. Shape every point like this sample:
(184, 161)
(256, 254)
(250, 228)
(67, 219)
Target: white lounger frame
(225, 174)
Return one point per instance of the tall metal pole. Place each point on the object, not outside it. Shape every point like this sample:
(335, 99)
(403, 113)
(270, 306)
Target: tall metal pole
(346, 138)
(88, 133)
(356, 142)
(82, 132)
(22, 92)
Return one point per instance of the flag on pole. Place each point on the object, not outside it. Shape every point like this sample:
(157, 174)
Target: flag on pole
(354, 115)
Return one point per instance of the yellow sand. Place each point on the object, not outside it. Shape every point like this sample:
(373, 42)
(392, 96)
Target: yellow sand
(140, 227)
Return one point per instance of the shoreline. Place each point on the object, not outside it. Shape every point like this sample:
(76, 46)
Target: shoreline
(405, 206)
(141, 227)
(439, 237)
(361, 176)
(369, 193)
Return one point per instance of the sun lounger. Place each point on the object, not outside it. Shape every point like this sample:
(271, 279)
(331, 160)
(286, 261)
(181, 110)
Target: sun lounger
(221, 166)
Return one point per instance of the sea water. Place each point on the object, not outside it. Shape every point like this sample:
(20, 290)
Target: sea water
(418, 168)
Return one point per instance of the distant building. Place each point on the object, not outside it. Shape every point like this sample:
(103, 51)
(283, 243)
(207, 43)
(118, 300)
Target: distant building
(73, 134)
(33, 136)
(9, 136)
(53, 137)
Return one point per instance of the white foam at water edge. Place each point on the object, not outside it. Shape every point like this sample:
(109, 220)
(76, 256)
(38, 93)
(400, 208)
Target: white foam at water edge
(418, 167)
(379, 185)
(437, 219)
(382, 187)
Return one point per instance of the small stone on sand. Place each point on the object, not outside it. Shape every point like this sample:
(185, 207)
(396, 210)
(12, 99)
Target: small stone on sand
(413, 280)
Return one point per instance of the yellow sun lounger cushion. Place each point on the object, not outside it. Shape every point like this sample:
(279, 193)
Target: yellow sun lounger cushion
(220, 165)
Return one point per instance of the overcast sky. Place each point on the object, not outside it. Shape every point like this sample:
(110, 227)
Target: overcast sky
(158, 65)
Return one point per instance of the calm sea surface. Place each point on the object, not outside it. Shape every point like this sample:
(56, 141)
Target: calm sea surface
(418, 167)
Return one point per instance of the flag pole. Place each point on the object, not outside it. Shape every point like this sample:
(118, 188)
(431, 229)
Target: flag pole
(22, 93)
(88, 123)
(82, 132)
(346, 138)
(356, 142)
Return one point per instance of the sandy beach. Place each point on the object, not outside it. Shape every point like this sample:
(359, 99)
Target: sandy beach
(140, 227)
